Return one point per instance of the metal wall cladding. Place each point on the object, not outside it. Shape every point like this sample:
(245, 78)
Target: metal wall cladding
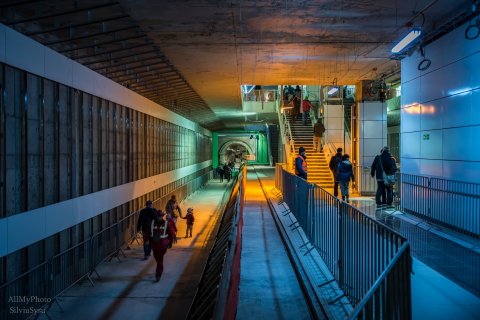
(440, 122)
(59, 143)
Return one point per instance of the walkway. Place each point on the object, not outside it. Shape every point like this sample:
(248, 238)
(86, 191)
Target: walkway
(126, 289)
(269, 288)
(446, 279)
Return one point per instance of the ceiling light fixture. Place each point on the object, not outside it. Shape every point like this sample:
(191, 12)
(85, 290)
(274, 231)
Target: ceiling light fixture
(333, 90)
(407, 40)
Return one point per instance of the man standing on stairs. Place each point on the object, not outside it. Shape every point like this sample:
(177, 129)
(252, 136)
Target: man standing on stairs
(301, 164)
(334, 161)
(318, 130)
(306, 106)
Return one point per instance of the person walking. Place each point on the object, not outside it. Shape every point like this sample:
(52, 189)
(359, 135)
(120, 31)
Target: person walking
(219, 171)
(190, 220)
(344, 174)
(301, 164)
(161, 236)
(306, 106)
(145, 218)
(381, 163)
(172, 207)
(318, 130)
(334, 161)
(227, 172)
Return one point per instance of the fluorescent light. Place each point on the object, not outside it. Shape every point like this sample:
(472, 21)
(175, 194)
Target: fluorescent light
(333, 90)
(408, 39)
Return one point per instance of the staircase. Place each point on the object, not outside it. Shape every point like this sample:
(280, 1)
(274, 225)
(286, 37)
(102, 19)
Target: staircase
(317, 165)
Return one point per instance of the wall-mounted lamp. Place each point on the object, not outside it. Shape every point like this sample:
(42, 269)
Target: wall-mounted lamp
(407, 40)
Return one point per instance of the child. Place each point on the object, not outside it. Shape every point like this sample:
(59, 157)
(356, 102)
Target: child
(190, 220)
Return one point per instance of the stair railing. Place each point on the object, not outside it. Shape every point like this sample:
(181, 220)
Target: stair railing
(286, 134)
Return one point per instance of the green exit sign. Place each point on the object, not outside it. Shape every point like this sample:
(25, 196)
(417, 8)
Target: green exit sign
(426, 136)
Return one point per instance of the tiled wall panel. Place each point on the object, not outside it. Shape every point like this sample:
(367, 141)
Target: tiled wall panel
(440, 135)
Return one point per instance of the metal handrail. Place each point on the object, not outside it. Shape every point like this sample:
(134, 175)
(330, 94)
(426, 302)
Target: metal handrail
(51, 286)
(345, 237)
(287, 137)
(361, 306)
(437, 200)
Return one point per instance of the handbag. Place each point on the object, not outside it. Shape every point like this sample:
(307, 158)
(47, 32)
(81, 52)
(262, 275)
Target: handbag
(388, 179)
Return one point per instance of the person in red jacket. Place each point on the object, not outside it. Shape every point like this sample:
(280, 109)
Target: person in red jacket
(190, 220)
(161, 236)
(306, 106)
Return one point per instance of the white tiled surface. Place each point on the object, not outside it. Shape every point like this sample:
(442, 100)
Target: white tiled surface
(445, 106)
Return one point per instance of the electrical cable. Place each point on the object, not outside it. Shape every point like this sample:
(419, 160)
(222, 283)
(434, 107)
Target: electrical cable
(473, 30)
(425, 63)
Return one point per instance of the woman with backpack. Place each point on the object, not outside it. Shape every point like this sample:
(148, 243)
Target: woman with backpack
(162, 235)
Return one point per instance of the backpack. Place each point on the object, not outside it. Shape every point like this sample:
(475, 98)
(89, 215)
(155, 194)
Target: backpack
(158, 231)
(388, 179)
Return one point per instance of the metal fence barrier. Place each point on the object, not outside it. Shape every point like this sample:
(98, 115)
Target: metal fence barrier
(370, 262)
(217, 291)
(449, 203)
(44, 283)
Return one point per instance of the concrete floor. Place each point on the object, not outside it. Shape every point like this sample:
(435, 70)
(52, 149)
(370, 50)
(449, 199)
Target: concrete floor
(268, 285)
(269, 288)
(126, 289)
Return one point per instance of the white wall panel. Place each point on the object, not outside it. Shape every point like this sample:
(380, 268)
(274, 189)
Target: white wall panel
(411, 92)
(462, 143)
(431, 144)
(431, 167)
(410, 118)
(373, 111)
(410, 147)
(3, 237)
(367, 161)
(60, 215)
(58, 67)
(24, 53)
(32, 229)
(461, 170)
(336, 136)
(372, 147)
(458, 110)
(334, 123)
(2, 42)
(46, 221)
(409, 165)
(372, 129)
(452, 79)
(82, 78)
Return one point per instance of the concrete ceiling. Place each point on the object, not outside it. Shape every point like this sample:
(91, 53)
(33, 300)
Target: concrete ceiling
(192, 55)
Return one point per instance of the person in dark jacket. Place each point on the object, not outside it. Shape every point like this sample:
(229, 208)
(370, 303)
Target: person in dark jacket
(161, 236)
(171, 207)
(227, 172)
(145, 218)
(318, 130)
(343, 175)
(384, 195)
(301, 164)
(190, 220)
(334, 161)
